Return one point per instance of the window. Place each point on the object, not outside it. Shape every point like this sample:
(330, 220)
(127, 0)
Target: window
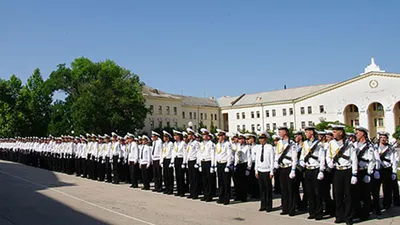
(201, 116)
(290, 111)
(273, 112)
(268, 127)
(175, 124)
(253, 128)
(160, 124)
(160, 109)
(238, 128)
(152, 109)
(168, 124)
(175, 111)
(302, 110)
(310, 123)
(321, 109)
(274, 126)
(205, 116)
(215, 116)
(353, 108)
(258, 114)
(356, 123)
(152, 125)
(267, 113)
(243, 127)
(184, 126)
(190, 115)
(243, 115)
(285, 124)
(237, 116)
(195, 127)
(212, 117)
(183, 115)
(168, 111)
(303, 124)
(284, 112)
(309, 110)
(292, 125)
(194, 115)
(252, 114)
(258, 127)
(379, 107)
(379, 122)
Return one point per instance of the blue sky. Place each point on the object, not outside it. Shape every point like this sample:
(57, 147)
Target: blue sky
(208, 47)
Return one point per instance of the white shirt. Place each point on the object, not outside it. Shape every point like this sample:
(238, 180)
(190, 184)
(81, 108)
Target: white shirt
(167, 149)
(134, 152)
(156, 149)
(268, 163)
(193, 148)
(317, 158)
(367, 161)
(243, 155)
(179, 151)
(207, 152)
(145, 155)
(291, 160)
(390, 156)
(334, 147)
(223, 153)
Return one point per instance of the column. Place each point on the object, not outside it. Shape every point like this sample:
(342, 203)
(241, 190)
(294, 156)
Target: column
(389, 120)
(364, 121)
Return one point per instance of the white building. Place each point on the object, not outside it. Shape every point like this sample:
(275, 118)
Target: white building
(370, 99)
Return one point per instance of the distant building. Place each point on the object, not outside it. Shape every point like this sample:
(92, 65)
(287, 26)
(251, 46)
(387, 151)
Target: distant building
(370, 99)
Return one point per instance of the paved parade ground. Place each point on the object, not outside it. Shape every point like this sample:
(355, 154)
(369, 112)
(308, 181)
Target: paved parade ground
(35, 196)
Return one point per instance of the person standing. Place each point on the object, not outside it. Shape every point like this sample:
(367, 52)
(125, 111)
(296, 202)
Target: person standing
(343, 159)
(264, 170)
(155, 157)
(206, 160)
(177, 160)
(168, 171)
(145, 162)
(242, 169)
(133, 160)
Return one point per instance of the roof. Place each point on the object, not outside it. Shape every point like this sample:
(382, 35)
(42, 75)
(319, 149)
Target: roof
(186, 100)
(271, 96)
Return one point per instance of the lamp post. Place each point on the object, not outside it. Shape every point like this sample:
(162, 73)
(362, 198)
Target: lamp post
(190, 124)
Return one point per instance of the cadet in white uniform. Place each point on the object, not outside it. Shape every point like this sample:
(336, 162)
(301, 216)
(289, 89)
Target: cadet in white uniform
(254, 190)
(206, 159)
(133, 161)
(192, 149)
(145, 162)
(156, 156)
(264, 170)
(366, 164)
(286, 160)
(223, 160)
(312, 159)
(168, 171)
(177, 159)
(342, 157)
(242, 167)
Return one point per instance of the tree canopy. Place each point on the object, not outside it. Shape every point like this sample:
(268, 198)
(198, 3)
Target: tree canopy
(101, 97)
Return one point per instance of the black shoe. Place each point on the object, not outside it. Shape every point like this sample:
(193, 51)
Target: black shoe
(283, 213)
(170, 193)
(203, 199)
(159, 190)
(154, 190)
(262, 209)
(208, 200)
(291, 214)
(269, 209)
(131, 186)
(338, 221)
(189, 196)
(318, 218)
(226, 203)
(177, 194)
(349, 223)
(195, 197)
(311, 217)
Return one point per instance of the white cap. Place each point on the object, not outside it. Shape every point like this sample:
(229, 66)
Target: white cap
(153, 133)
(167, 134)
(190, 131)
(362, 129)
(264, 134)
(221, 132)
(204, 131)
(337, 126)
(145, 137)
(176, 132)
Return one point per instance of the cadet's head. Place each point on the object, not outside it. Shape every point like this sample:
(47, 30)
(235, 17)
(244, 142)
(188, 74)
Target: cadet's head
(221, 135)
(361, 133)
(338, 132)
(242, 139)
(205, 133)
(310, 132)
(190, 133)
(283, 132)
(251, 139)
(166, 136)
(263, 138)
(177, 135)
(298, 136)
(383, 138)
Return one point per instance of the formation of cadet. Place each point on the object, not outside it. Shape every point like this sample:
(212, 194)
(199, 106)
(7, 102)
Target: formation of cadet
(349, 164)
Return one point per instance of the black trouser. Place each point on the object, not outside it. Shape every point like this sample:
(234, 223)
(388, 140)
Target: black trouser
(108, 170)
(77, 167)
(145, 176)
(168, 173)
(157, 175)
(241, 182)
(301, 204)
(84, 167)
(313, 190)
(101, 169)
(361, 192)
(386, 181)
(180, 183)
(277, 183)
(265, 186)
(115, 169)
(396, 197)
(132, 170)
(288, 192)
(254, 187)
(326, 193)
(207, 179)
(224, 183)
(89, 166)
(342, 192)
(193, 179)
(94, 168)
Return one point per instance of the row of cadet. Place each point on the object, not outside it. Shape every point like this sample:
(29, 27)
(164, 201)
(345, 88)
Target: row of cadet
(353, 166)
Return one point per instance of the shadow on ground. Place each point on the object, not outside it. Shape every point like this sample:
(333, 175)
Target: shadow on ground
(22, 203)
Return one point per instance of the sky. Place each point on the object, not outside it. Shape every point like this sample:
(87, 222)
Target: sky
(204, 48)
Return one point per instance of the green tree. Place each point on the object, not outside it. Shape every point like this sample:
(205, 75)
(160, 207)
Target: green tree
(396, 134)
(213, 128)
(324, 125)
(101, 97)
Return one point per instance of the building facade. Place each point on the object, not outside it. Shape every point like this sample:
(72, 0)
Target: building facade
(177, 111)
(370, 99)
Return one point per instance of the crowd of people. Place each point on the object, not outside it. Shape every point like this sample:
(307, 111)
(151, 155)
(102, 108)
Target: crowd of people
(340, 174)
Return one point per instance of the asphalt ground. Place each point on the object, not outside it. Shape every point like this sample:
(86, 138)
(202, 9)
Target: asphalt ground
(35, 196)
